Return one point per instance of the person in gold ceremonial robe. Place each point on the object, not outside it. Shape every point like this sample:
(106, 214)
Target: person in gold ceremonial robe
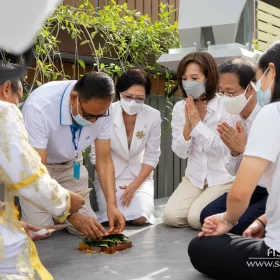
(25, 176)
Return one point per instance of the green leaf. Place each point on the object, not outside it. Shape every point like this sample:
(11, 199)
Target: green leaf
(47, 33)
(74, 35)
(93, 34)
(85, 42)
(82, 64)
(54, 76)
(38, 83)
(107, 241)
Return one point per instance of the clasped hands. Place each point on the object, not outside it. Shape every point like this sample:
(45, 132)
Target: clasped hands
(234, 139)
(191, 112)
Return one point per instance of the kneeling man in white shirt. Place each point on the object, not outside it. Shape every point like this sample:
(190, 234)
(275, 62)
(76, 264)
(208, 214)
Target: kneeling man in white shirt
(62, 119)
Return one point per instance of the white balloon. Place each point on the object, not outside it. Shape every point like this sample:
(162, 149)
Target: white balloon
(20, 22)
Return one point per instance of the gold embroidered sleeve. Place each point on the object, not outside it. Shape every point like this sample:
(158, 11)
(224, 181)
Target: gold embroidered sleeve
(21, 168)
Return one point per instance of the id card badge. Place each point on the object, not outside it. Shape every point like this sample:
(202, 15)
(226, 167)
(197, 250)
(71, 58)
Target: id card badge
(76, 170)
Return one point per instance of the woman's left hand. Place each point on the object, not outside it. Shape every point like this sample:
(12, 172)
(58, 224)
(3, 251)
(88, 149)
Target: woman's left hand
(214, 226)
(128, 194)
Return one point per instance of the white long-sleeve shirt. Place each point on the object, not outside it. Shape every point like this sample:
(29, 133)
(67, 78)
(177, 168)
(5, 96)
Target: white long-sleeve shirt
(234, 162)
(206, 153)
(25, 176)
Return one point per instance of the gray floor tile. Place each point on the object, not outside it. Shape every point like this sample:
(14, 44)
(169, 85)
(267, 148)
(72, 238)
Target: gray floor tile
(158, 253)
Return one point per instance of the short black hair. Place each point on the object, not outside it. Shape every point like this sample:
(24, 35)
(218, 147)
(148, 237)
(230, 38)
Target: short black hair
(241, 68)
(95, 85)
(272, 55)
(133, 77)
(15, 83)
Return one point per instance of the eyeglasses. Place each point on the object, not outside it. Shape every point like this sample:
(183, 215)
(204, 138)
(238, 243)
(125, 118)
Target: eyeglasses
(219, 94)
(129, 97)
(241, 90)
(90, 116)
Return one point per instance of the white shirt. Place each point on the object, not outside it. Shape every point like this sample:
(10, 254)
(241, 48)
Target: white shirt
(145, 144)
(234, 162)
(263, 142)
(206, 153)
(25, 176)
(48, 119)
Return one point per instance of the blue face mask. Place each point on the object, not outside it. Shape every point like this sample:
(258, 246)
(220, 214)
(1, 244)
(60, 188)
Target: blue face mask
(79, 119)
(263, 96)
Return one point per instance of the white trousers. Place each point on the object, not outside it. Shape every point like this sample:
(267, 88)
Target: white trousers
(142, 204)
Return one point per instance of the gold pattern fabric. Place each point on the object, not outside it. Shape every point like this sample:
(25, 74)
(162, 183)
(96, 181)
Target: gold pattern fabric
(2, 247)
(25, 176)
(28, 181)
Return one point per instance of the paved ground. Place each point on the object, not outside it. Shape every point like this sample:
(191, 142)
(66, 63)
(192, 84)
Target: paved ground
(158, 253)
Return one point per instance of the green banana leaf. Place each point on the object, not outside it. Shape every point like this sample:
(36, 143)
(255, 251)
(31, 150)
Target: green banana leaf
(107, 241)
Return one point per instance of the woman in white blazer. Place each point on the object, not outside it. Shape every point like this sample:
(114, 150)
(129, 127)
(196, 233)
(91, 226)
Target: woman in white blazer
(194, 136)
(135, 148)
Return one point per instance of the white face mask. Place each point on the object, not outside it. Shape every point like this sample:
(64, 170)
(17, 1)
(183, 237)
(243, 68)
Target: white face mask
(194, 89)
(131, 107)
(234, 105)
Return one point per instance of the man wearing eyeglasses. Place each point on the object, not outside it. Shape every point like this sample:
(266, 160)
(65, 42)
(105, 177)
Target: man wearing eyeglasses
(62, 119)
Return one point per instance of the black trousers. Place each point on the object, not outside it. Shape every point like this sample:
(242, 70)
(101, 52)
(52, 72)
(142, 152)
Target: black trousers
(256, 209)
(229, 257)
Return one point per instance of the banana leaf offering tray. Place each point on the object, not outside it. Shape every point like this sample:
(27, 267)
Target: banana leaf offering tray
(109, 244)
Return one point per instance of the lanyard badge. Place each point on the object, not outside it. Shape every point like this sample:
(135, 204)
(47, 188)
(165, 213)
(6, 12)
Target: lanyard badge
(76, 164)
(76, 170)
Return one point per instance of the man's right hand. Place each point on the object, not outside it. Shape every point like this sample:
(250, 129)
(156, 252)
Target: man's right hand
(255, 230)
(88, 226)
(76, 201)
(234, 139)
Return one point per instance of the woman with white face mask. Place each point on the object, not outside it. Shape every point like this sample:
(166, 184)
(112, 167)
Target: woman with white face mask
(194, 136)
(240, 100)
(224, 256)
(135, 148)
